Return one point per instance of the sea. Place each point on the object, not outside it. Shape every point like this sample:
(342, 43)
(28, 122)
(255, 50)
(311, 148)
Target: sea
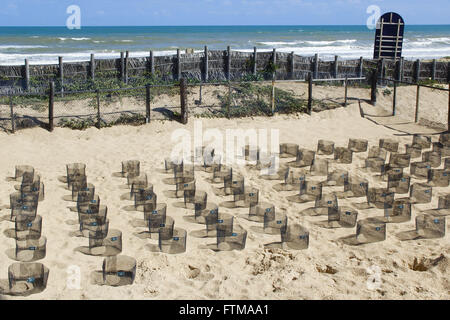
(43, 45)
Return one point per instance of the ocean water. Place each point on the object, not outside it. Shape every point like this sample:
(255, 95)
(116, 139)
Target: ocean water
(43, 45)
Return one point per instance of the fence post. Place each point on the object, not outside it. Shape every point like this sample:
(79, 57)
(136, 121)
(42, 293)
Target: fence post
(336, 65)
(394, 101)
(373, 92)
(51, 100)
(416, 117)
(346, 90)
(316, 66)
(61, 75)
(433, 70)
(206, 62)
(152, 63)
(178, 64)
(310, 93)
(228, 63)
(183, 102)
(122, 66)
(200, 95)
(273, 95)
(383, 71)
(127, 54)
(448, 112)
(401, 69)
(11, 107)
(27, 75)
(255, 55)
(229, 100)
(361, 67)
(99, 118)
(417, 72)
(147, 104)
(292, 66)
(92, 67)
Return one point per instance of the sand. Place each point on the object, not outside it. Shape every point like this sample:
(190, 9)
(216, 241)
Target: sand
(328, 269)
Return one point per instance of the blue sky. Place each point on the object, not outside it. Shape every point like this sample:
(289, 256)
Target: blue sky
(217, 12)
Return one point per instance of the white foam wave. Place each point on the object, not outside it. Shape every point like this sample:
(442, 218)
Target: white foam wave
(13, 46)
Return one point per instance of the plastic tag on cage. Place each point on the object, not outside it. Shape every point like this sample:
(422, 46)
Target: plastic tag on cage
(29, 225)
(251, 194)
(234, 234)
(436, 221)
(89, 211)
(219, 221)
(85, 189)
(302, 237)
(34, 189)
(121, 274)
(213, 212)
(361, 184)
(400, 206)
(149, 197)
(403, 180)
(93, 224)
(114, 239)
(279, 222)
(301, 178)
(186, 185)
(176, 239)
(93, 201)
(348, 213)
(162, 225)
(329, 202)
(234, 182)
(427, 191)
(32, 248)
(31, 280)
(25, 207)
(313, 188)
(268, 210)
(377, 229)
(154, 212)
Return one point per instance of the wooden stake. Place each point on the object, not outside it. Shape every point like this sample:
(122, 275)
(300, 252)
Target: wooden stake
(127, 54)
(92, 67)
(394, 101)
(416, 118)
(183, 102)
(373, 92)
(228, 63)
(206, 62)
(417, 72)
(336, 65)
(99, 118)
(51, 99)
(11, 107)
(61, 75)
(122, 67)
(346, 90)
(292, 66)
(316, 66)
(147, 103)
(152, 63)
(255, 55)
(27, 75)
(310, 93)
(178, 64)
(433, 70)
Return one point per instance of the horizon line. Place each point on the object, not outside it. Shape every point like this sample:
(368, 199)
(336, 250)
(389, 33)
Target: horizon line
(220, 25)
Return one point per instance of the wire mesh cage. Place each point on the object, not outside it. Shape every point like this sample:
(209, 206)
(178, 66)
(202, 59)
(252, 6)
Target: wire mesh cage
(444, 202)
(342, 217)
(88, 206)
(111, 245)
(257, 211)
(420, 169)
(377, 152)
(444, 138)
(251, 153)
(398, 160)
(212, 162)
(82, 187)
(399, 185)
(375, 165)
(414, 150)
(143, 196)
(202, 212)
(23, 204)
(370, 230)
(274, 222)
(173, 164)
(325, 147)
(354, 187)
(140, 181)
(118, 271)
(421, 193)
(96, 216)
(140, 188)
(336, 178)
(447, 163)
(27, 227)
(233, 184)
(34, 186)
(26, 278)
(443, 150)
(393, 172)
(30, 250)
(23, 172)
(231, 240)
(288, 150)
(309, 191)
(423, 141)
(92, 228)
(182, 187)
(319, 167)
(304, 158)
(172, 242)
(295, 237)
(74, 171)
(430, 226)
(245, 199)
(358, 145)
(157, 219)
(194, 198)
(187, 174)
(433, 158)
(389, 145)
(221, 173)
(438, 177)
(323, 202)
(343, 155)
(131, 167)
(399, 211)
(380, 197)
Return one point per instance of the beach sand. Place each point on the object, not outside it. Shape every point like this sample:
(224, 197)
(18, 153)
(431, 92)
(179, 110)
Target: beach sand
(328, 269)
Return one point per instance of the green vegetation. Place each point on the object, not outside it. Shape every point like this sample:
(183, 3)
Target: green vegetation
(387, 92)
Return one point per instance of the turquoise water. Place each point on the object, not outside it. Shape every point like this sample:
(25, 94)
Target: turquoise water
(44, 44)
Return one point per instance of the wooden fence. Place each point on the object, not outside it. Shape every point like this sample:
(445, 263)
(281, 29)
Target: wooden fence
(226, 65)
